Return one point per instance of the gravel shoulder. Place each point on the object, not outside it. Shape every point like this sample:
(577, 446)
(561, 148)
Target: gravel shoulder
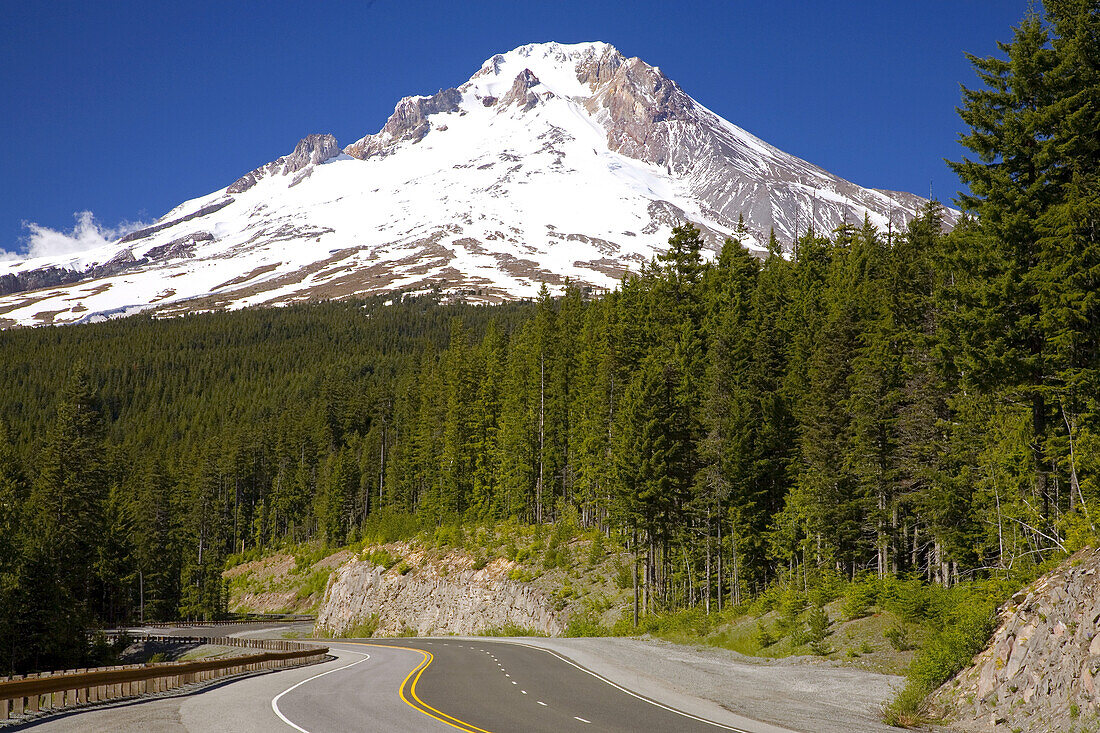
(794, 693)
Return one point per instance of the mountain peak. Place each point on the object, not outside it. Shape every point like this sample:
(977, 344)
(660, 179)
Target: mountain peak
(553, 162)
(558, 65)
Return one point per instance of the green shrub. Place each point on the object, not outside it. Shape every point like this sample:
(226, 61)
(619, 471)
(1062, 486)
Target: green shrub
(510, 630)
(557, 553)
(859, 599)
(596, 549)
(763, 637)
(314, 584)
(898, 636)
(908, 599)
(364, 629)
(826, 588)
(964, 620)
(817, 626)
(403, 568)
(380, 557)
(307, 556)
(586, 622)
(952, 648)
(908, 709)
(624, 575)
(390, 526)
(522, 575)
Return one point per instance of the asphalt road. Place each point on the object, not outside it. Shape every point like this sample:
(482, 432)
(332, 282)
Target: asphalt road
(490, 686)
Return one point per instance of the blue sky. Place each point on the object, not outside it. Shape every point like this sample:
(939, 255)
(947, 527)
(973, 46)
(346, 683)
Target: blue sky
(125, 109)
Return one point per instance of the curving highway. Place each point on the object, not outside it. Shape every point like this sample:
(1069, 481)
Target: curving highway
(472, 685)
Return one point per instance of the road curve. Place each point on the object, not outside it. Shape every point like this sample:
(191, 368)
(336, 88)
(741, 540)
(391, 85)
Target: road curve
(430, 685)
(492, 686)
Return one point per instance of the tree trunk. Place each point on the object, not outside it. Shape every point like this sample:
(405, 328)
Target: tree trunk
(707, 594)
(635, 549)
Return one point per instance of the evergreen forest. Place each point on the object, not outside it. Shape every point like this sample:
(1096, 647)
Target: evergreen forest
(917, 403)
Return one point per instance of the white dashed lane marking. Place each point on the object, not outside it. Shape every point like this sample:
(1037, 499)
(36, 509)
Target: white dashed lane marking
(577, 717)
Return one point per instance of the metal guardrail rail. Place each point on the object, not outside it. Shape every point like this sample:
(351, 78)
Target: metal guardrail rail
(54, 690)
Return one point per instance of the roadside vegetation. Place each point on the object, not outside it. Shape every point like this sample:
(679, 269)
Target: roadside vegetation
(864, 445)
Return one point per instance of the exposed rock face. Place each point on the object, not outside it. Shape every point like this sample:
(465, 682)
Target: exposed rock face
(1042, 670)
(597, 68)
(46, 277)
(310, 150)
(439, 596)
(409, 122)
(182, 247)
(640, 101)
(522, 92)
(150, 231)
(122, 261)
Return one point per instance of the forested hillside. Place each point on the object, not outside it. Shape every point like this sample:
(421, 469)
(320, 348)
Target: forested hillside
(898, 403)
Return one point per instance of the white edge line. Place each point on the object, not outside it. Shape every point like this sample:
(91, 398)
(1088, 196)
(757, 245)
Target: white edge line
(619, 687)
(275, 700)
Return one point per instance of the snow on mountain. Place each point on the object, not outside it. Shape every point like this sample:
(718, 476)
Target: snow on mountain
(553, 161)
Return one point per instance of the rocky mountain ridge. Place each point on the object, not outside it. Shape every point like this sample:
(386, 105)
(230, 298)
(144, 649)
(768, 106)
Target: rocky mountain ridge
(551, 162)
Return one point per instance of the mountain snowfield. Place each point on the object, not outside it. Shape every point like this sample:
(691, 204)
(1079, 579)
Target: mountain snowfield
(553, 161)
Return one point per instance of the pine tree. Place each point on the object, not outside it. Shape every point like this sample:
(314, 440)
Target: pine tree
(12, 495)
(65, 524)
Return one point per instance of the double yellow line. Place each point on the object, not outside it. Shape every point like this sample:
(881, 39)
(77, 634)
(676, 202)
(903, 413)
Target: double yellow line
(416, 703)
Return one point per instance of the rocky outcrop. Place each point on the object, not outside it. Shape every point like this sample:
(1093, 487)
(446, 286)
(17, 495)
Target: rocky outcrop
(150, 231)
(638, 98)
(120, 262)
(310, 150)
(44, 277)
(1042, 669)
(598, 67)
(409, 122)
(181, 247)
(433, 596)
(522, 93)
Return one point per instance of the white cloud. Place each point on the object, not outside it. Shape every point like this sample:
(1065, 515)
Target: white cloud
(87, 234)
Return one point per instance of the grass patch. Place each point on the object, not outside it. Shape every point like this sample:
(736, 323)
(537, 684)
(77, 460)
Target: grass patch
(510, 630)
(313, 584)
(364, 628)
(380, 557)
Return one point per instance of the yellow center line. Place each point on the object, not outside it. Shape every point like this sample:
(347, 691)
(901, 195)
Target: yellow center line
(421, 706)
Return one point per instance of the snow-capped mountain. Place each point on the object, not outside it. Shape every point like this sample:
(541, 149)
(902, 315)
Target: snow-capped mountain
(553, 161)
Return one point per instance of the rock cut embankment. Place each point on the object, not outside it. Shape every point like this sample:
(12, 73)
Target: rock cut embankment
(1041, 672)
(431, 595)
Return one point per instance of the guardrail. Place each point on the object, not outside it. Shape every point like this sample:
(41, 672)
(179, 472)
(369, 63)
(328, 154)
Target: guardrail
(53, 690)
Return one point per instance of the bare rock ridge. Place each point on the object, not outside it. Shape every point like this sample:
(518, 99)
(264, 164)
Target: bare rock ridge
(204, 211)
(408, 123)
(435, 597)
(1042, 669)
(310, 150)
(49, 277)
(522, 93)
(551, 162)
